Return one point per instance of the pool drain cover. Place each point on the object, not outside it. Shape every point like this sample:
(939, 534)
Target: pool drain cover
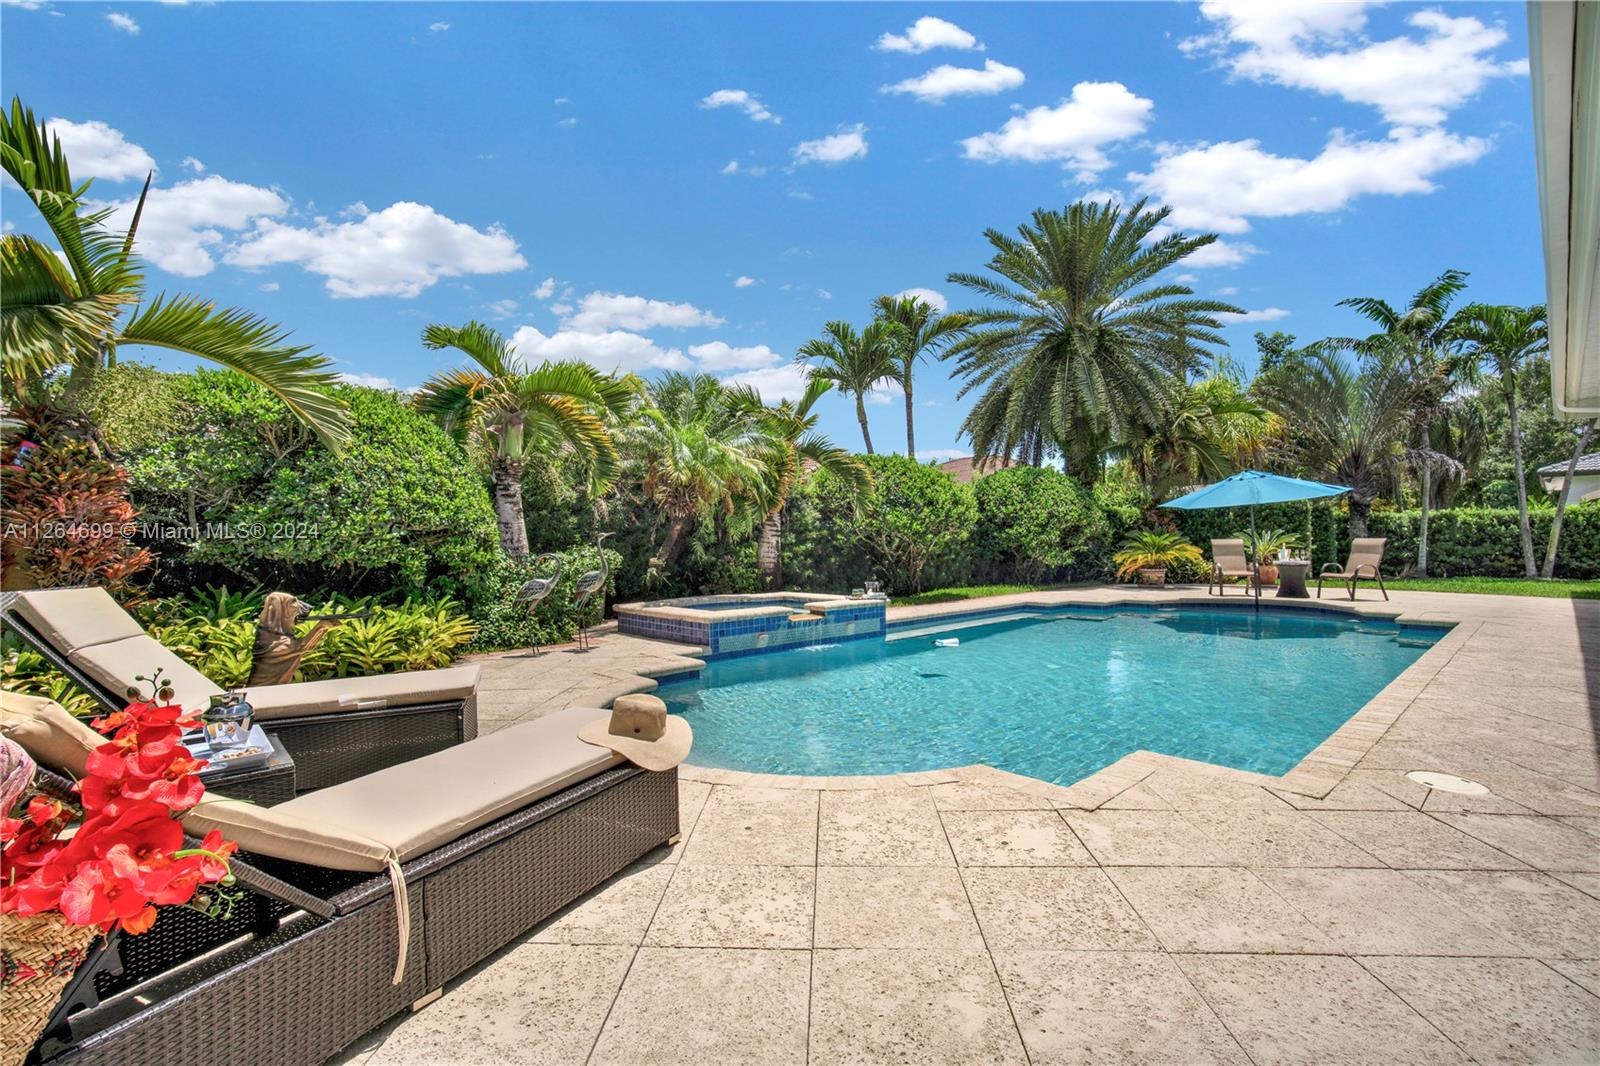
(1448, 783)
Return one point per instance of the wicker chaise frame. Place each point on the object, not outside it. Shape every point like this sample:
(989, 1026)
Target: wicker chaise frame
(303, 966)
(327, 748)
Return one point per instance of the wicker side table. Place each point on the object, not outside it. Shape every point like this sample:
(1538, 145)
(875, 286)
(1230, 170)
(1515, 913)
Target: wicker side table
(263, 783)
(1292, 578)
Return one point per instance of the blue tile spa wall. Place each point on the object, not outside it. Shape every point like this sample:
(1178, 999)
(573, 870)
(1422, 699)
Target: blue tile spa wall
(747, 636)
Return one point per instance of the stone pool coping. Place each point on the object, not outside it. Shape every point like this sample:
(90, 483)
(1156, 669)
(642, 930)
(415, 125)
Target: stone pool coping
(814, 601)
(1314, 776)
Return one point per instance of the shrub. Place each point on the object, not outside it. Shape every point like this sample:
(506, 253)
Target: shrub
(504, 624)
(1035, 524)
(1153, 549)
(25, 670)
(1485, 542)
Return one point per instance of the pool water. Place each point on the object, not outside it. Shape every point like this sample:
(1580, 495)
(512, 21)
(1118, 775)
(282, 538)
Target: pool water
(1052, 696)
(745, 605)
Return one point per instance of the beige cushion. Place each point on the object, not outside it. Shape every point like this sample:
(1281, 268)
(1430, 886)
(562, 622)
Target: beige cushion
(426, 803)
(76, 618)
(48, 732)
(276, 832)
(407, 689)
(115, 664)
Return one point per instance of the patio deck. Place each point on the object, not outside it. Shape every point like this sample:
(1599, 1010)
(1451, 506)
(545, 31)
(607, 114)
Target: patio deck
(1159, 911)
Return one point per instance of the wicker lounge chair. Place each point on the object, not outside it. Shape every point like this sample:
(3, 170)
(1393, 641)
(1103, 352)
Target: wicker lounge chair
(453, 855)
(336, 729)
(1228, 561)
(1365, 563)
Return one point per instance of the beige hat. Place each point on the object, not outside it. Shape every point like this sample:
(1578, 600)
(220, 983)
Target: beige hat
(641, 731)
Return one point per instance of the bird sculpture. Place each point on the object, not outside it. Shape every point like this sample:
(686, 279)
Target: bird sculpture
(534, 590)
(589, 584)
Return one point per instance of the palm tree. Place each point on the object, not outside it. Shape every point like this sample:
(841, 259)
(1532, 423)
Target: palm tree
(1210, 430)
(856, 362)
(921, 330)
(1086, 336)
(1350, 423)
(697, 451)
(1502, 339)
(791, 449)
(514, 413)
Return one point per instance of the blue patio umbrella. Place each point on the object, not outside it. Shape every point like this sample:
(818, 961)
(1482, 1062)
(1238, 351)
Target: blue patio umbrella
(1248, 488)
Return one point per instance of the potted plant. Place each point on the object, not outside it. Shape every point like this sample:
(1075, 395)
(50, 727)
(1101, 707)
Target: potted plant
(1264, 548)
(1148, 553)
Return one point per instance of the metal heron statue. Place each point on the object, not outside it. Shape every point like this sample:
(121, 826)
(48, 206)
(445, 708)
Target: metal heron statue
(589, 584)
(534, 590)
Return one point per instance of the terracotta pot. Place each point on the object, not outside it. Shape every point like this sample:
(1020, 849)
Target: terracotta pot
(1152, 576)
(1269, 574)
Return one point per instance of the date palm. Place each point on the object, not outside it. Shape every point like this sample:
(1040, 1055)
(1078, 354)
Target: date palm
(1502, 339)
(922, 331)
(856, 362)
(1084, 334)
(514, 413)
(74, 308)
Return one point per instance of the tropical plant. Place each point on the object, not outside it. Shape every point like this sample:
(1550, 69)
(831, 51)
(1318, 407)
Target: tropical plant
(911, 516)
(1086, 334)
(1265, 544)
(855, 362)
(1503, 340)
(922, 331)
(1209, 430)
(65, 308)
(1154, 549)
(513, 413)
(1035, 522)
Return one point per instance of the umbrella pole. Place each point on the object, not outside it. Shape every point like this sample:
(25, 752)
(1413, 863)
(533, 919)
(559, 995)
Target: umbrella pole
(1255, 560)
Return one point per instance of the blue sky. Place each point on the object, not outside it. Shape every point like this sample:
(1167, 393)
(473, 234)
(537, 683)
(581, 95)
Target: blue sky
(702, 186)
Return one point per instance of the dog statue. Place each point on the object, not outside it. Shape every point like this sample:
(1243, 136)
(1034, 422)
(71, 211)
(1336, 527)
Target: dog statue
(277, 652)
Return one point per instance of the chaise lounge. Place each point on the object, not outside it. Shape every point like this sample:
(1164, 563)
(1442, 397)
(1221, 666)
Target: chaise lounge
(336, 730)
(1365, 564)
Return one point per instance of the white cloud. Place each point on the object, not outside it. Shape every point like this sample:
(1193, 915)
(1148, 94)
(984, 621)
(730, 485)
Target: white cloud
(182, 225)
(268, 286)
(1220, 254)
(926, 34)
(941, 455)
(799, 194)
(743, 100)
(735, 167)
(1266, 314)
(438, 27)
(1411, 80)
(95, 150)
(774, 383)
(503, 308)
(190, 163)
(561, 309)
(886, 392)
(614, 350)
(719, 355)
(398, 251)
(946, 80)
(27, 5)
(600, 311)
(568, 122)
(1221, 186)
(1186, 279)
(369, 381)
(1073, 132)
(825, 294)
(561, 100)
(743, 281)
(546, 289)
(1226, 290)
(123, 22)
(1101, 196)
(849, 143)
(932, 298)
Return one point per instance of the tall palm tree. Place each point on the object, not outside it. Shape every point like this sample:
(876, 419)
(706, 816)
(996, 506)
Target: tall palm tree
(1210, 430)
(855, 362)
(923, 330)
(792, 448)
(698, 451)
(514, 413)
(1086, 335)
(1502, 339)
(66, 308)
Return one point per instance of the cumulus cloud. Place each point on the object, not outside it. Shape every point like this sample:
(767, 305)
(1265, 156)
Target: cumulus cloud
(946, 80)
(601, 311)
(743, 100)
(1266, 314)
(886, 392)
(193, 165)
(503, 308)
(1220, 254)
(125, 23)
(926, 34)
(370, 381)
(735, 167)
(546, 289)
(849, 143)
(933, 299)
(942, 455)
(606, 352)
(438, 27)
(743, 281)
(824, 294)
(183, 225)
(398, 251)
(1411, 80)
(720, 355)
(1221, 186)
(774, 383)
(96, 150)
(1074, 132)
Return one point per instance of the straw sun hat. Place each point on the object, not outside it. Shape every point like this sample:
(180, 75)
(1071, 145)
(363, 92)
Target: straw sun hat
(641, 731)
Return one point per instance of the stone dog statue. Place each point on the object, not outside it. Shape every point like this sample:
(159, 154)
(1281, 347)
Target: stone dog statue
(277, 652)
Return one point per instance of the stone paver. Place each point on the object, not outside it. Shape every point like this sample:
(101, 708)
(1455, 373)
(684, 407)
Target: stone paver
(1171, 915)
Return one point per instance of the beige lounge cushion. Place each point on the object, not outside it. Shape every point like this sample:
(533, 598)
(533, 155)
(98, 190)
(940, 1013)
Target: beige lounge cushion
(407, 689)
(76, 618)
(116, 664)
(424, 804)
(276, 832)
(48, 732)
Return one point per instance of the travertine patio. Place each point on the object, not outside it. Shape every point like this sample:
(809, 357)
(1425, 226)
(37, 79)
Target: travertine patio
(1160, 911)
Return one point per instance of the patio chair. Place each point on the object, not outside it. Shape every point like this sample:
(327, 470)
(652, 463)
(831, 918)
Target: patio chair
(1365, 563)
(1228, 561)
(354, 902)
(335, 729)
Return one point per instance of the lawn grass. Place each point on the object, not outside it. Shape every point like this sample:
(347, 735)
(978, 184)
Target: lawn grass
(967, 592)
(1561, 588)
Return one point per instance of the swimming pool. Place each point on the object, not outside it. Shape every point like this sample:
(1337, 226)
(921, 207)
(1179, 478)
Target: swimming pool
(1053, 694)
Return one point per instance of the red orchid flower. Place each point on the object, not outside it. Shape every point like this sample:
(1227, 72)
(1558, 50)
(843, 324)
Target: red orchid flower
(100, 894)
(42, 810)
(37, 893)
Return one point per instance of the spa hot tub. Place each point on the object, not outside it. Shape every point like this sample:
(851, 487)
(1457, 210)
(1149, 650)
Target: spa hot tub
(755, 622)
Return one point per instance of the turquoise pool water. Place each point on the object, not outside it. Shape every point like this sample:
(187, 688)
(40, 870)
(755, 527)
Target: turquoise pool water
(1054, 697)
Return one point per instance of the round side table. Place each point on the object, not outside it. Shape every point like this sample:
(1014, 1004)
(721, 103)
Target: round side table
(1292, 578)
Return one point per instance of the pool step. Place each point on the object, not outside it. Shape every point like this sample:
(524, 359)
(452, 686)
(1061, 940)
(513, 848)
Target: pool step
(933, 627)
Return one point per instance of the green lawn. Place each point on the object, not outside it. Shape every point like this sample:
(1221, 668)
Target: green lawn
(1562, 588)
(967, 592)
